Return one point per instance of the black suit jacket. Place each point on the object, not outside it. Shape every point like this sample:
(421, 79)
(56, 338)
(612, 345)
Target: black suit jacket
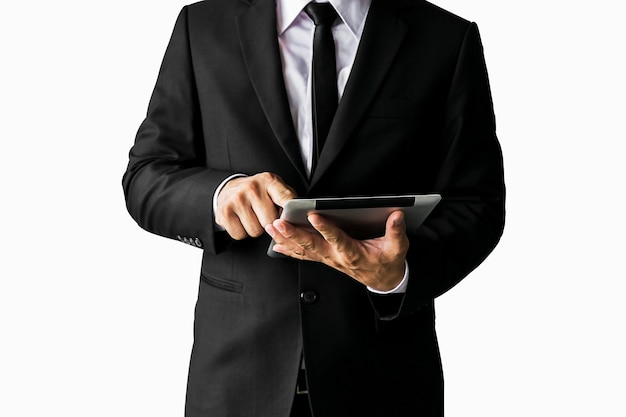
(416, 117)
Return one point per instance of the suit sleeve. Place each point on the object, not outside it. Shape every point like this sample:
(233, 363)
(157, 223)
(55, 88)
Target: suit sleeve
(167, 185)
(469, 221)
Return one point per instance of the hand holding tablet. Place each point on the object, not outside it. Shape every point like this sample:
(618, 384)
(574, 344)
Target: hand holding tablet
(360, 217)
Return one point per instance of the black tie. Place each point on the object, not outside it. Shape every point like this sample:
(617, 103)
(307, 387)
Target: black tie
(324, 80)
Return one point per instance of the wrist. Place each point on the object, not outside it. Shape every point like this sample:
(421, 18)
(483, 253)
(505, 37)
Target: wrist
(399, 288)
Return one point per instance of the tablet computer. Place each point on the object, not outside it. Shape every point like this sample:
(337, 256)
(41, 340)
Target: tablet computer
(360, 217)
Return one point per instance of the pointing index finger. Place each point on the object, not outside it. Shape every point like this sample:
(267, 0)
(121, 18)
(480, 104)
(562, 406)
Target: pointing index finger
(280, 192)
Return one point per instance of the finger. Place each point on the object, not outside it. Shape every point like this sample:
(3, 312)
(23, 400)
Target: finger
(278, 238)
(286, 246)
(234, 228)
(292, 253)
(250, 223)
(242, 211)
(278, 191)
(265, 211)
(304, 241)
(331, 233)
(337, 239)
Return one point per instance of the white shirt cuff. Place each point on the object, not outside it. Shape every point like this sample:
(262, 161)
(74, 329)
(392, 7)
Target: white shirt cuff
(401, 288)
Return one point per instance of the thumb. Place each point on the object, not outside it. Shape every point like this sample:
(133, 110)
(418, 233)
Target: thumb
(395, 224)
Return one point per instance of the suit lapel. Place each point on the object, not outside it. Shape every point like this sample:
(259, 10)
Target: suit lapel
(256, 26)
(381, 39)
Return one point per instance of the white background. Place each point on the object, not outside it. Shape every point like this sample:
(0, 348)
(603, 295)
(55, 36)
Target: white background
(96, 314)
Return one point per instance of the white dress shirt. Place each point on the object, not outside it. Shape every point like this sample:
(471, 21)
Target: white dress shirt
(295, 39)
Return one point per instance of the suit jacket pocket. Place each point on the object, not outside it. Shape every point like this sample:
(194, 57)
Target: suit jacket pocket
(221, 283)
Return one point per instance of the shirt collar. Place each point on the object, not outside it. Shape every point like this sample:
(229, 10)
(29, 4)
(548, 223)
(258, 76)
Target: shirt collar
(352, 12)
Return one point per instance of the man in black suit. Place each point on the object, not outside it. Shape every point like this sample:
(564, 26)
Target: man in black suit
(226, 142)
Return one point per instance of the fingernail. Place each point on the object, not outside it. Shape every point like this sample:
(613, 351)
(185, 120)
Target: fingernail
(398, 222)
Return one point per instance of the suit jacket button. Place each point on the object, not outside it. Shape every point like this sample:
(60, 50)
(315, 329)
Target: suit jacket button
(309, 296)
(198, 243)
(186, 240)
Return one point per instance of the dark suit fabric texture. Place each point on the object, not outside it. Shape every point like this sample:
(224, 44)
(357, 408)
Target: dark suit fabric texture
(416, 117)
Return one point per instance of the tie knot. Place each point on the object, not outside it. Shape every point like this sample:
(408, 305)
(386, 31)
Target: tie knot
(321, 13)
